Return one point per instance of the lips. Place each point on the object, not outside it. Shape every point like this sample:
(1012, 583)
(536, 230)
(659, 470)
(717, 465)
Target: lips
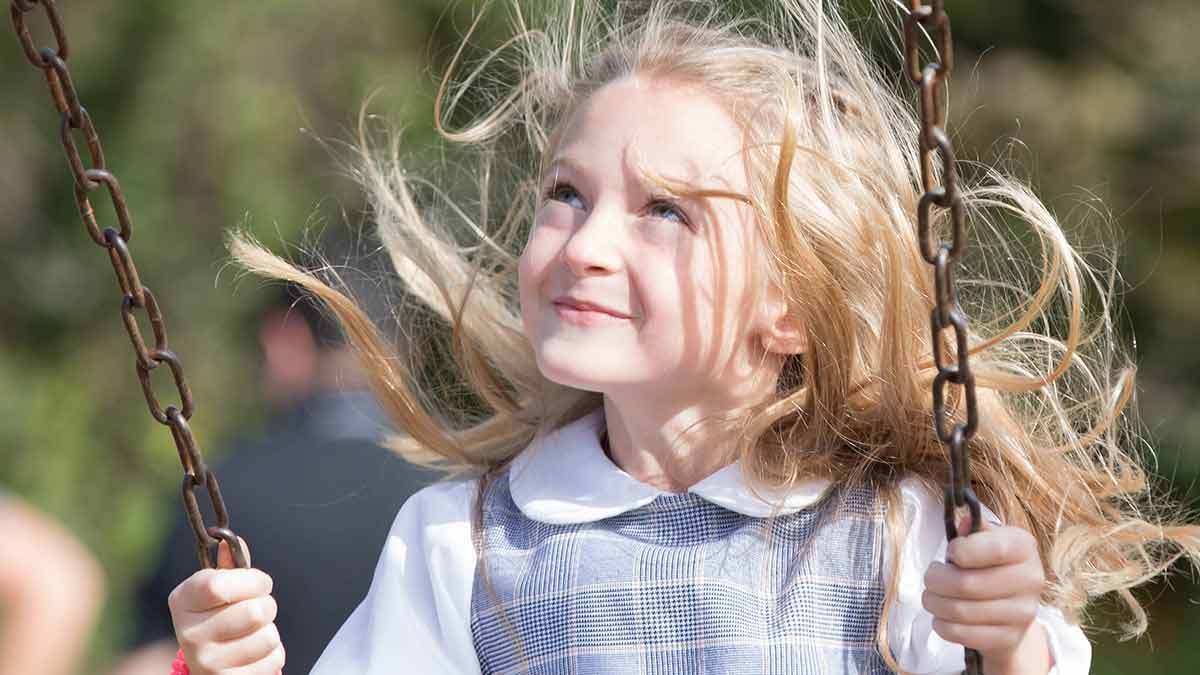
(588, 306)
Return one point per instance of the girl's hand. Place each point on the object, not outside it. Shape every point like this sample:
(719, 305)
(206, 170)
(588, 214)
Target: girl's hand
(224, 620)
(988, 598)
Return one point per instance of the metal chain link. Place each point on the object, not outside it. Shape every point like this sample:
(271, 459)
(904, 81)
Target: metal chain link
(135, 296)
(946, 312)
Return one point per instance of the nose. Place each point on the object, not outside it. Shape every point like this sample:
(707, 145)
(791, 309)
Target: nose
(593, 247)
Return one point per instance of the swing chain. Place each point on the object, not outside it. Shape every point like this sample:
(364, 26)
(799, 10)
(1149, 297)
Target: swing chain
(134, 295)
(946, 313)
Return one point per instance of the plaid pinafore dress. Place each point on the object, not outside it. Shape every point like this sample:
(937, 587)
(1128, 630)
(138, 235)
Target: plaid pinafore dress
(680, 585)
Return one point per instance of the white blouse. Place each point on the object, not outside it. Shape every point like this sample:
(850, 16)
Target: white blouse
(416, 615)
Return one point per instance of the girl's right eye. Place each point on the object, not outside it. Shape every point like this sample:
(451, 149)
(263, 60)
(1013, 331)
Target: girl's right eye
(565, 193)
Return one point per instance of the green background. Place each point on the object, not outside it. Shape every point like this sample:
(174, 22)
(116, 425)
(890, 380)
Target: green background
(213, 115)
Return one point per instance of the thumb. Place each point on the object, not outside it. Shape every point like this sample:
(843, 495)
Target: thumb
(225, 556)
(964, 524)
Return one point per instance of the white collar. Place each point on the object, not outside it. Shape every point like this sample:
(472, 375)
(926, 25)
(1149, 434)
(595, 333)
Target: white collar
(564, 477)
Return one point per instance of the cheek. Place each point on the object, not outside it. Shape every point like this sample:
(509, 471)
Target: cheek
(533, 268)
(527, 284)
(718, 282)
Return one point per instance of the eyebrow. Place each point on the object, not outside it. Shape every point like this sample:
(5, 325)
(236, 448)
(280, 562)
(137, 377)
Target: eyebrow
(567, 161)
(696, 192)
(580, 166)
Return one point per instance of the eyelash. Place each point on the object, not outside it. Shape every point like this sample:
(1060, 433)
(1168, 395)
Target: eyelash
(552, 194)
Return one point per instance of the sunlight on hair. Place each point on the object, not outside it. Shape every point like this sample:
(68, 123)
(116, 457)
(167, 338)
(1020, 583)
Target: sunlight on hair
(831, 151)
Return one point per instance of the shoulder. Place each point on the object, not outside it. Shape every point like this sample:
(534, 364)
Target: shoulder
(919, 496)
(441, 501)
(417, 611)
(437, 517)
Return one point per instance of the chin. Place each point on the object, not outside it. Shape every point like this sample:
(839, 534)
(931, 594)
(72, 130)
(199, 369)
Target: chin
(570, 376)
(563, 366)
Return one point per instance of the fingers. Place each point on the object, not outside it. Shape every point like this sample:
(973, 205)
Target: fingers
(988, 595)
(981, 638)
(271, 665)
(225, 556)
(232, 622)
(992, 546)
(243, 618)
(964, 523)
(224, 620)
(988, 583)
(260, 653)
(1020, 611)
(210, 589)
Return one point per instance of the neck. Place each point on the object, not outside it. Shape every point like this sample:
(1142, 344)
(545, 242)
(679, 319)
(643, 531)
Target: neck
(675, 435)
(671, 449)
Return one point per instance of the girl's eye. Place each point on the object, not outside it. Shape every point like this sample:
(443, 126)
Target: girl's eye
(667, 210)
(565, 193)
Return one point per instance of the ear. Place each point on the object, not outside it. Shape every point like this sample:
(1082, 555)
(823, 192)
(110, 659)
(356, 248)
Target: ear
(785, 337)
(781, 332)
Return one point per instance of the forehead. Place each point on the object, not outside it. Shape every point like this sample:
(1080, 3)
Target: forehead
(670, 129)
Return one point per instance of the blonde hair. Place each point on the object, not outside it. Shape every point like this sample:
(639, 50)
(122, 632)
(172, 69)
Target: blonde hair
(831, 148)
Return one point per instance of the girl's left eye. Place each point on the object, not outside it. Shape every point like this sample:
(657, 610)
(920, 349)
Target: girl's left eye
(667, 210)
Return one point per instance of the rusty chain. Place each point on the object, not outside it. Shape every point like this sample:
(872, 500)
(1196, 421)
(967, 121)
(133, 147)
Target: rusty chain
(135, 296)
(946, 312)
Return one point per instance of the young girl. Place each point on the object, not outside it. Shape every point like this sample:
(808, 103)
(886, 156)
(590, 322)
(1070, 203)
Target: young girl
(707, 440)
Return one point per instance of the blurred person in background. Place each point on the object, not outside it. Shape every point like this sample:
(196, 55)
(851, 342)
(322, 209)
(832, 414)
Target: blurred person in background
(314, 496)
(51, 591)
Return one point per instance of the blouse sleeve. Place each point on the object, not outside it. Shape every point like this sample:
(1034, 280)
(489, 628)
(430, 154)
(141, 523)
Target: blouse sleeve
(914, 644)
(415, 617)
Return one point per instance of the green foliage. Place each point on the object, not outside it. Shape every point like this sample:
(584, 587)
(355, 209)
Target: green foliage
(211, 119)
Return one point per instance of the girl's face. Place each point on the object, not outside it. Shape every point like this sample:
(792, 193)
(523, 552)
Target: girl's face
(623, 284)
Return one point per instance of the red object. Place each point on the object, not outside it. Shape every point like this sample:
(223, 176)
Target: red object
(179, 666)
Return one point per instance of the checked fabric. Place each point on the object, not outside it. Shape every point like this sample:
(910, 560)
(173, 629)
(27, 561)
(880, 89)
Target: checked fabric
(680, 585)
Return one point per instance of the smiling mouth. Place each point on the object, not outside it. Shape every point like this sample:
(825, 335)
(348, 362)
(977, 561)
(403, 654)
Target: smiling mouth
(584, 315)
